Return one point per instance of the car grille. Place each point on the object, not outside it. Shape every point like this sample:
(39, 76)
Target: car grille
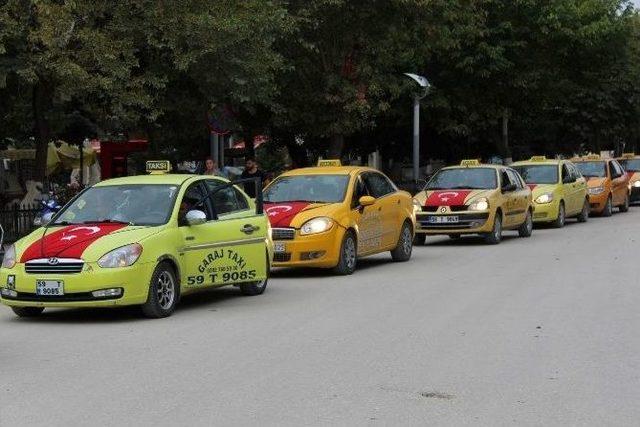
(453, 208)
(63, 266)
(282, 257)
(283, 233)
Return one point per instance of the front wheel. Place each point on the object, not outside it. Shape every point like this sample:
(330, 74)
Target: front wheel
(163, 293)
(402, 251)
(348, 255)
(27, 311)
(625, 206)
(526, 228)
(608, 208)
(584, 214)
(495, 236)
(562, 215)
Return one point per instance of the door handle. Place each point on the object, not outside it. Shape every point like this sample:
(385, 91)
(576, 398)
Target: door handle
(248, 228)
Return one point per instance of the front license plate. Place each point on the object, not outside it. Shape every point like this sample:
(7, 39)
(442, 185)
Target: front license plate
(279, 247)
(443, 219)
(49, 287)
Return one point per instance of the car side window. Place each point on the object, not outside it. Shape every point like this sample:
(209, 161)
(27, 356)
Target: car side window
(359, 190)
(504, 178)
(567, 176)
(378, 185)
(515, 179)
(192, 200)
(619, 169)
(226, 200)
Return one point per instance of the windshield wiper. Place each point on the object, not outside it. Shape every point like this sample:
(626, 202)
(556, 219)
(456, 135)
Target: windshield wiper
(108, 221)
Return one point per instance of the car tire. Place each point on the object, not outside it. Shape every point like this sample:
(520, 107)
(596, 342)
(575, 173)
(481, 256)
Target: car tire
(348, 255)
(163, 292)
(419, 239)
(562, 217)
(584, 214)
(608, 208)
(526, 228)
(402, 251)
(495, 236)
(625, 206)
(256, 288)
(27, 311)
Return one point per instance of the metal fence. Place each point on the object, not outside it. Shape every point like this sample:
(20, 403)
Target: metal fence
(18, 222)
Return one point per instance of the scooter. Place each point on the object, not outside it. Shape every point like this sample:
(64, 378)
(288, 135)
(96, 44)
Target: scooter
(49, 206)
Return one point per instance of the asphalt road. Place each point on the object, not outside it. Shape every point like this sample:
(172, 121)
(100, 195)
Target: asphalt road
(539, 331)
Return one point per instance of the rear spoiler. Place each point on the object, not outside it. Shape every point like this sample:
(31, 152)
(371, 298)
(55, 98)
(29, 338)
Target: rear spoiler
(258, 186)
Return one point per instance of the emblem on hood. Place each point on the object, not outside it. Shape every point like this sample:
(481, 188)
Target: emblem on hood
(53, 261)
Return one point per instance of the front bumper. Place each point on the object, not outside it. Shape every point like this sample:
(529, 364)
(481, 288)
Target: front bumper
(468, 223)
(597, 202)
(546, 212)
(320, 250)
(134, 281)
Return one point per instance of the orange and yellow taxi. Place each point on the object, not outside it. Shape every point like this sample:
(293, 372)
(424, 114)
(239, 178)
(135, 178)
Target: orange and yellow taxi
(608, 183)
(473, 198)
(330, 215)
(631, 164)
(559, 190)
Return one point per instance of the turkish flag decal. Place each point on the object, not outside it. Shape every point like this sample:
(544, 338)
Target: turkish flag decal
(68, 242)
(281, 214)
(447, 198)
(532, 186)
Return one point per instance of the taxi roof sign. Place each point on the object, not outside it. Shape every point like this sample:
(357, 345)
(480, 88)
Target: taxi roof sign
(628, 155)
(329, 162)
(593, 157)
(156, 167)
(538, 158)
(470, 162)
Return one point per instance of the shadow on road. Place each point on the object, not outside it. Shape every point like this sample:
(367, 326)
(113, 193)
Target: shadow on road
(363, 264)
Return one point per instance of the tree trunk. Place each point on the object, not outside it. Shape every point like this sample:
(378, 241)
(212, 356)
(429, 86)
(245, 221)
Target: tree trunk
(249, 149)
(336, 146)
(505, 151)
(42, 130)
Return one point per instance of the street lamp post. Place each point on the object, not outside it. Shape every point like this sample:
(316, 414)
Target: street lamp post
(424, 90)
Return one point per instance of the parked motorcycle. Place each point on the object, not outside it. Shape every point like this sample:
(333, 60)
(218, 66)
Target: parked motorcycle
(50, 206)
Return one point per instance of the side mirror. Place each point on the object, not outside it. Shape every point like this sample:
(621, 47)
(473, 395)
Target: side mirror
(509, 188)
(195, 217)
(366, 201)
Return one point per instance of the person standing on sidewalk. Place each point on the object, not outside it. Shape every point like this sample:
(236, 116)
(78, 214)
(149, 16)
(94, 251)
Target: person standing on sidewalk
(211, 168)
(251, 170)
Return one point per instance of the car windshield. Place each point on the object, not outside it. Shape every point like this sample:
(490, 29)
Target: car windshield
(538, 174)
(307, 188)
(130, 204)
(631, 165)
(592, 169)
(464, 178)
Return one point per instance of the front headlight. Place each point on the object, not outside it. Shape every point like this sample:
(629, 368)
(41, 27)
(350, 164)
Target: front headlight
(121, 257)
(636, 184)
(596, 190)
(481, 204)
(544, 198)
(417, 207)
(316, 225)
(9, 259)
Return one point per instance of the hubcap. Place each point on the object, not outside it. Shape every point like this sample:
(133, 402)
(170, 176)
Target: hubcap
(561, 214)
(406, 240)
(165, 289)
(350, 252)
(498, 228)
(529, 223)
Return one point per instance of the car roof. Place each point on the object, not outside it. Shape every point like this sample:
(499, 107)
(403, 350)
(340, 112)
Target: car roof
(538, 162)
(329, 170)
(480, 166)
(159, 179)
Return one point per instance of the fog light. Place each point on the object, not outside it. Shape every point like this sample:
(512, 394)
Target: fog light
(105, 293)
(8, 293)
(307, 256)
(11, 281)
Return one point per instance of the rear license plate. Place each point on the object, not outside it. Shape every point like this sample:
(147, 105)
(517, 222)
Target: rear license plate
(443, 219)
(49, 287)
(279, 247)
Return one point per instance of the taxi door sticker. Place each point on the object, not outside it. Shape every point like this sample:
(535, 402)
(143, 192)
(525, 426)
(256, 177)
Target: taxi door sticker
(226, 265)
(370, 231)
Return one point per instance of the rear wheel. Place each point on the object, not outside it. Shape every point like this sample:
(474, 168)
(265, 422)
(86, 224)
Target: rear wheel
(625, 206)
(584, 214)
(526, 228)
(348, 255)
(163, 292)
(608, 208)
(562, 216)
(27, 311)
(495, 236)
(402, 251)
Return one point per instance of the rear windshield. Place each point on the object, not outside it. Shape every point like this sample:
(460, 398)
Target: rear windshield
(464, 178)
(538, 174)
(592, 169)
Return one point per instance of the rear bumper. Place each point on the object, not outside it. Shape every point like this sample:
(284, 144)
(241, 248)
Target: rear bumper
(468, 223)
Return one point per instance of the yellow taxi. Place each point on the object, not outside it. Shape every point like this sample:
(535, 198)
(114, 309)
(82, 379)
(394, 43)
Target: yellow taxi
(631, 164)
(474, 198)
(559, 190)
(141, 240)
(607, 182)
(330, 215)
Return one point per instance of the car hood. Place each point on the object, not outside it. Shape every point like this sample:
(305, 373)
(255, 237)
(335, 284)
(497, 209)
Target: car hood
(596, 182)
(295, 214)
(539, 189)
(450, 197)
(86, 241)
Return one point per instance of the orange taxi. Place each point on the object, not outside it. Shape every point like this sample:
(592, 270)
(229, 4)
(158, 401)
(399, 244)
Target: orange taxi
(607, 181)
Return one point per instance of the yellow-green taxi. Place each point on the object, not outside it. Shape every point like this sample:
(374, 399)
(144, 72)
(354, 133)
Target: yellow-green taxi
(143, 240)
(559, 190)
(474, 198)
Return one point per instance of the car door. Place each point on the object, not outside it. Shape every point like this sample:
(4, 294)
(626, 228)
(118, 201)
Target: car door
(508, 201)
(520, 195)
(387, 199)
(579, 187)
(619, 182)
(368, 218)
(230, 247)
(568, 185)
